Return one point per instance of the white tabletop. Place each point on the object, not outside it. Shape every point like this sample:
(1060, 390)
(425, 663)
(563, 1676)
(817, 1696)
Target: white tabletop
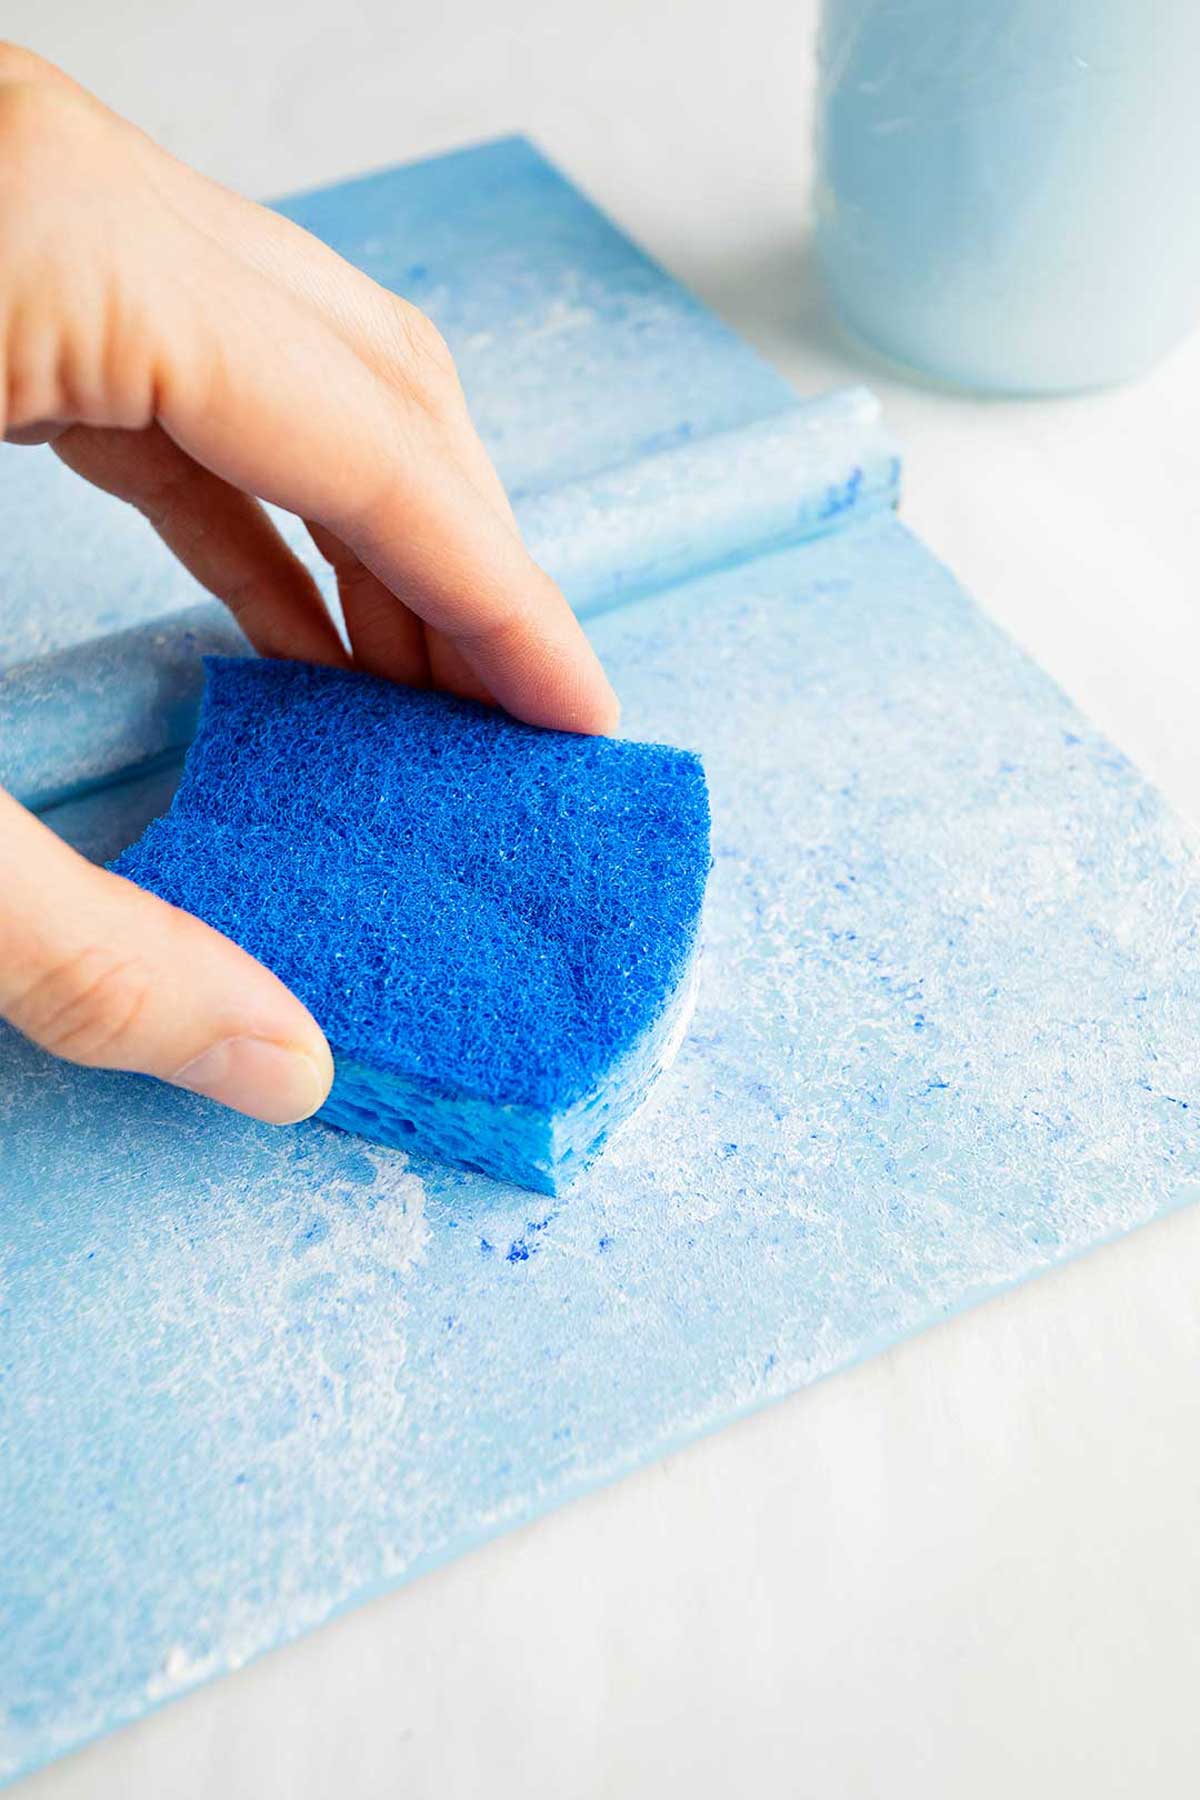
(968, 1566)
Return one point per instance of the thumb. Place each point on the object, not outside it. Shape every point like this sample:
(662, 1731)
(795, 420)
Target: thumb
(95, 970)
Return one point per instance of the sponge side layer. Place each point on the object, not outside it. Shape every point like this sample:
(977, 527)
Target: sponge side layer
(532, 1147)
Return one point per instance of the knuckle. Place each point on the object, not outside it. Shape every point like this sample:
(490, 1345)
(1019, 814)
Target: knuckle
(19, 64)
(37, 120)
(63, 173)
(84, 1007)
(426, 352)
(424, 338)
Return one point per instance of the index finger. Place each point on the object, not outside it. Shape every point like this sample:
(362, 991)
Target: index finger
(266, 394)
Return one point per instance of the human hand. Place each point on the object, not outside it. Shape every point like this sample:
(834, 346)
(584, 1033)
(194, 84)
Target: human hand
(195, 354)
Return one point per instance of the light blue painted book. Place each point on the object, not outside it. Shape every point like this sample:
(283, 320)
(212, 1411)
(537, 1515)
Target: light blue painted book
(948, 1029)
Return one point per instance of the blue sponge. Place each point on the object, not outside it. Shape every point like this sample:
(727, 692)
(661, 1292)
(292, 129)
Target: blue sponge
(495, 926)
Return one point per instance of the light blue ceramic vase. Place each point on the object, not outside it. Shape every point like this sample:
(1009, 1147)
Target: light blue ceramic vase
(1006, 191)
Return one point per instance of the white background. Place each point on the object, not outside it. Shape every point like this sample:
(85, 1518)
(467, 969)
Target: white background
(970, 1567)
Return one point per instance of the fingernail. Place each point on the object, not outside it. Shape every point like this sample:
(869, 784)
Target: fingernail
(277, 1083)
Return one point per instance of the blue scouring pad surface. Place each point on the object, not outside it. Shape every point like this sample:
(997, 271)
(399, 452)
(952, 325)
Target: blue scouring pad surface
(494, 925)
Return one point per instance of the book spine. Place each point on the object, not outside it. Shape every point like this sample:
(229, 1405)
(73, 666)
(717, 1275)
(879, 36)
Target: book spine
(80, 719)
(714, 501)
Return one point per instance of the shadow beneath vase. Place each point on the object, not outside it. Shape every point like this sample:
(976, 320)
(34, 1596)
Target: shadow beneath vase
(772, 294)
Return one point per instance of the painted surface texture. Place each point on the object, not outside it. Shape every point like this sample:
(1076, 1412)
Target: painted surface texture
(947, 1035)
